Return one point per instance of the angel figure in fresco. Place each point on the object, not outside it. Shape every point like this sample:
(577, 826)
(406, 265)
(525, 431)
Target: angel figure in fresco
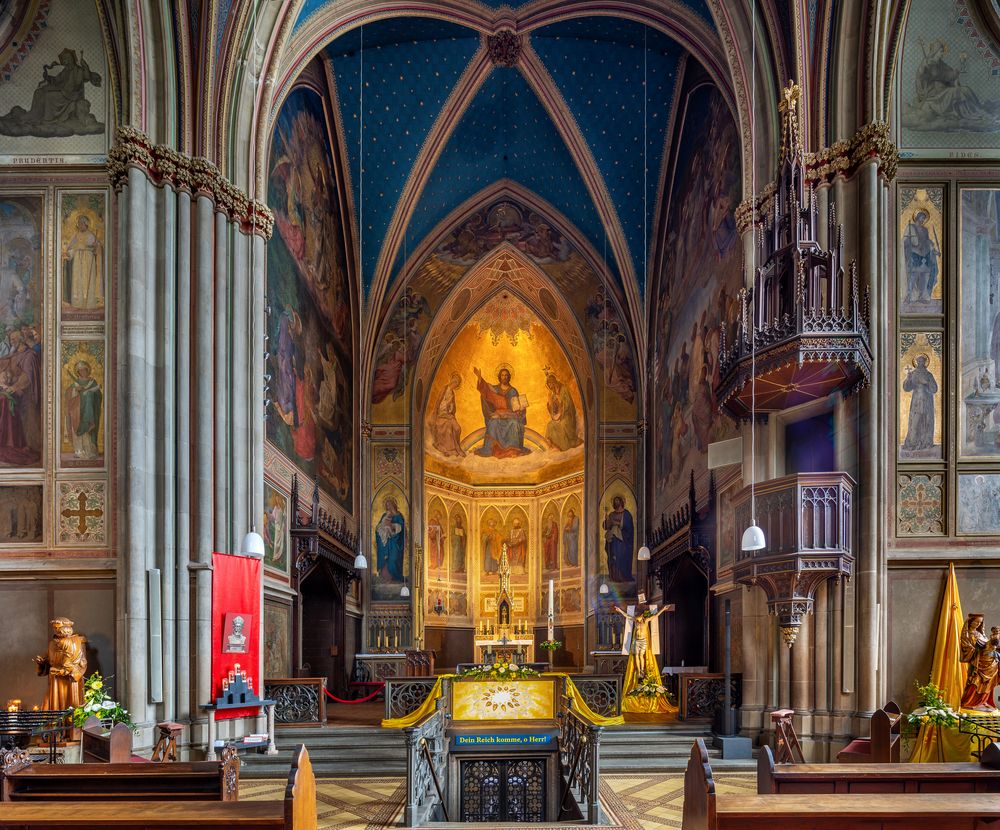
(492, 543)
(504, 415)
(83, 260)
(389, 542)
(435, 542)
(59, 105)
(982, 653)
(923, 387)
(920, 254)
(446, 432)
(561, 429)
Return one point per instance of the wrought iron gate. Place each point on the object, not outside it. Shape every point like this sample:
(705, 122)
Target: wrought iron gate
(503, 790)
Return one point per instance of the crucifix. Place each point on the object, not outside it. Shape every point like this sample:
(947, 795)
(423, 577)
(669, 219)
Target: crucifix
(641, 639)
(81, 513)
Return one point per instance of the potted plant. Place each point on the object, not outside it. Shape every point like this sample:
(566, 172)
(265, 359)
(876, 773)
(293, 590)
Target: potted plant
(97, 702)
(649, 688)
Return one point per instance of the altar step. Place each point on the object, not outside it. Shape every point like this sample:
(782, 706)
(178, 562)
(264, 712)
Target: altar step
(371, 750)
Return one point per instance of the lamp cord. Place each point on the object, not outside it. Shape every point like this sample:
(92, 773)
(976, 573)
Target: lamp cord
(753, 267)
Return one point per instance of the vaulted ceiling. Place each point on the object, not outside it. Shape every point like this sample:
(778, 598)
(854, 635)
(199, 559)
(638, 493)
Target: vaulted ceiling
(581, 120)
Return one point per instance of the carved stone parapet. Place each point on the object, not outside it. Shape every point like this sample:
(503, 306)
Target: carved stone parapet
(807, 522)
(164, 165)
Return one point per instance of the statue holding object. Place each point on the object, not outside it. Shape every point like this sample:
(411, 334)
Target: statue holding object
(65, 664)
(982, 653)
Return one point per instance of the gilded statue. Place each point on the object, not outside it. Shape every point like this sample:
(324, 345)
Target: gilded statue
(982, 653)
(65, 664)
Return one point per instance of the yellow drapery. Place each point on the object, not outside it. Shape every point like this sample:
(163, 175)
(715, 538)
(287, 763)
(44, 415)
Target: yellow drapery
(428, 706)
(634, 675)
(935, 743)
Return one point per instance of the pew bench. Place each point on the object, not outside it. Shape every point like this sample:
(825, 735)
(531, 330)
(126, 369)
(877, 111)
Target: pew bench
(883, 745)
(872, 778)
(297, 811)
(194, 781)
(705, 810)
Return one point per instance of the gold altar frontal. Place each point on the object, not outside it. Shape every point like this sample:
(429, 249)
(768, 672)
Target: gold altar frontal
(475, 701)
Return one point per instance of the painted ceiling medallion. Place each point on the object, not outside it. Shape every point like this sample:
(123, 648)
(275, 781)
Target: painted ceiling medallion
(504, 47)
(505, 315)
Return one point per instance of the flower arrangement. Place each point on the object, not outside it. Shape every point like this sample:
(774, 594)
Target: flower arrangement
(498, 671)
(550, 645)
(651, 689)
(933, 708)
(98, 703)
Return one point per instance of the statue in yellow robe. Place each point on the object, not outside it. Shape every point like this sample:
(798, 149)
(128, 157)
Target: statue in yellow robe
(641, 666)
(65, 663)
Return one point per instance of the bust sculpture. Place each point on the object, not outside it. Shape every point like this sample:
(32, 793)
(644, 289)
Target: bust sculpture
(65, 664)
(236, 642)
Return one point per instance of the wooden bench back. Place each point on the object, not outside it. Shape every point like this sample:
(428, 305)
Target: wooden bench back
(300, 793)
(192, 781)
(98, 745)
(885, 728)
(699, 790)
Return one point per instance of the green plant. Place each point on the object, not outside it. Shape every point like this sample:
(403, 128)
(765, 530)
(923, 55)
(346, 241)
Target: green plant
(550, 645)
(498, 671)
(933, 708)
(98, 703)
(650, 688)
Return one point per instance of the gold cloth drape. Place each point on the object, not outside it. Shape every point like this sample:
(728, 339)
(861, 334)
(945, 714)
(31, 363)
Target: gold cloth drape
(634, 676)
(934, 743)
(429, 705)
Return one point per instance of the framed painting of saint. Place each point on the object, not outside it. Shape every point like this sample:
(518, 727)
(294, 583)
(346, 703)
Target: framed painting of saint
(921, 231)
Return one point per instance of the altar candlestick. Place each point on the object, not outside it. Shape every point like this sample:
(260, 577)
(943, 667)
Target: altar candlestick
(551, 618)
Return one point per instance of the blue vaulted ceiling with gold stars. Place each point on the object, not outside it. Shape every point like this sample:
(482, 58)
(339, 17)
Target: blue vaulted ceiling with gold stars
(580, 119)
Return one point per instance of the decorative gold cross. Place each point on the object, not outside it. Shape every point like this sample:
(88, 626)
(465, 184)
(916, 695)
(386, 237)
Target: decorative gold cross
(81, 513)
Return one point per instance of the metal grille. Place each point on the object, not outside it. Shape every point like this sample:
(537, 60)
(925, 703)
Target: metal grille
(503, 790)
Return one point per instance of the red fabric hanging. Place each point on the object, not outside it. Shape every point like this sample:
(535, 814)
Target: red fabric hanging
(236, 589)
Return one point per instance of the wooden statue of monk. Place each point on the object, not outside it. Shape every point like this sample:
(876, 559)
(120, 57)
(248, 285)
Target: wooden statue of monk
(982, 653)
(65, 664)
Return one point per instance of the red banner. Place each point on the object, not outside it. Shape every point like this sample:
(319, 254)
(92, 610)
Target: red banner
(236, 612)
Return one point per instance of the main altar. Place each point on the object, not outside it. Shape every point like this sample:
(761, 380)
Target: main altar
(504, 639)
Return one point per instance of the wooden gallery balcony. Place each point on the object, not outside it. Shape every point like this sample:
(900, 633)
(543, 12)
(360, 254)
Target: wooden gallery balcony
(808, 524)
(802, 329)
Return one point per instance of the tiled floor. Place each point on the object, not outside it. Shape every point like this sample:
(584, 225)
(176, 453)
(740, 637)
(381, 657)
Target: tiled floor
(632, 802)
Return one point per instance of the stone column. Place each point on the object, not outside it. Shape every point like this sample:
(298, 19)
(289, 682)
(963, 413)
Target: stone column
(222, 437)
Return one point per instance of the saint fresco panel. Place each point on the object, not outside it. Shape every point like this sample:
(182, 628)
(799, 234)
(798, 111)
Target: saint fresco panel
(55, 99)
(458, 530)
(22, 220)
(491, 539)
(311, 418)
(436, 530)
(550, 534)
(21, 515)
(979, 504)
(571, 536)
(82, 402)
(389, 562)
(618, 529)
(516, 537)
(697, 290)
(920, 395)
(277, 639)
(948, 95)
(979, 335)
(921, 231)
(83, 255)
(275, 529)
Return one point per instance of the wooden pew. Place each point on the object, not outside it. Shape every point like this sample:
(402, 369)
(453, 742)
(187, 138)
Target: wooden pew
(873, 778)
(196, 781)
(297, 811)
(105, 746)
(883, 745)
(704, 809)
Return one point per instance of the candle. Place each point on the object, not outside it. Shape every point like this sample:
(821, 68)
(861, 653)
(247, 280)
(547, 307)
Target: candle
(552, 607)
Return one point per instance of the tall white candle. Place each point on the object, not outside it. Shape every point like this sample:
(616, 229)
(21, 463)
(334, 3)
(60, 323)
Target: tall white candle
(551, 608)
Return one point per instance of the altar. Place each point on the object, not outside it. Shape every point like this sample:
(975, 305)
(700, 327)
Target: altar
(520, 650)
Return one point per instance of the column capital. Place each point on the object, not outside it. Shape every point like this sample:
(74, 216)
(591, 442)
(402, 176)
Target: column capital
(164, 165)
